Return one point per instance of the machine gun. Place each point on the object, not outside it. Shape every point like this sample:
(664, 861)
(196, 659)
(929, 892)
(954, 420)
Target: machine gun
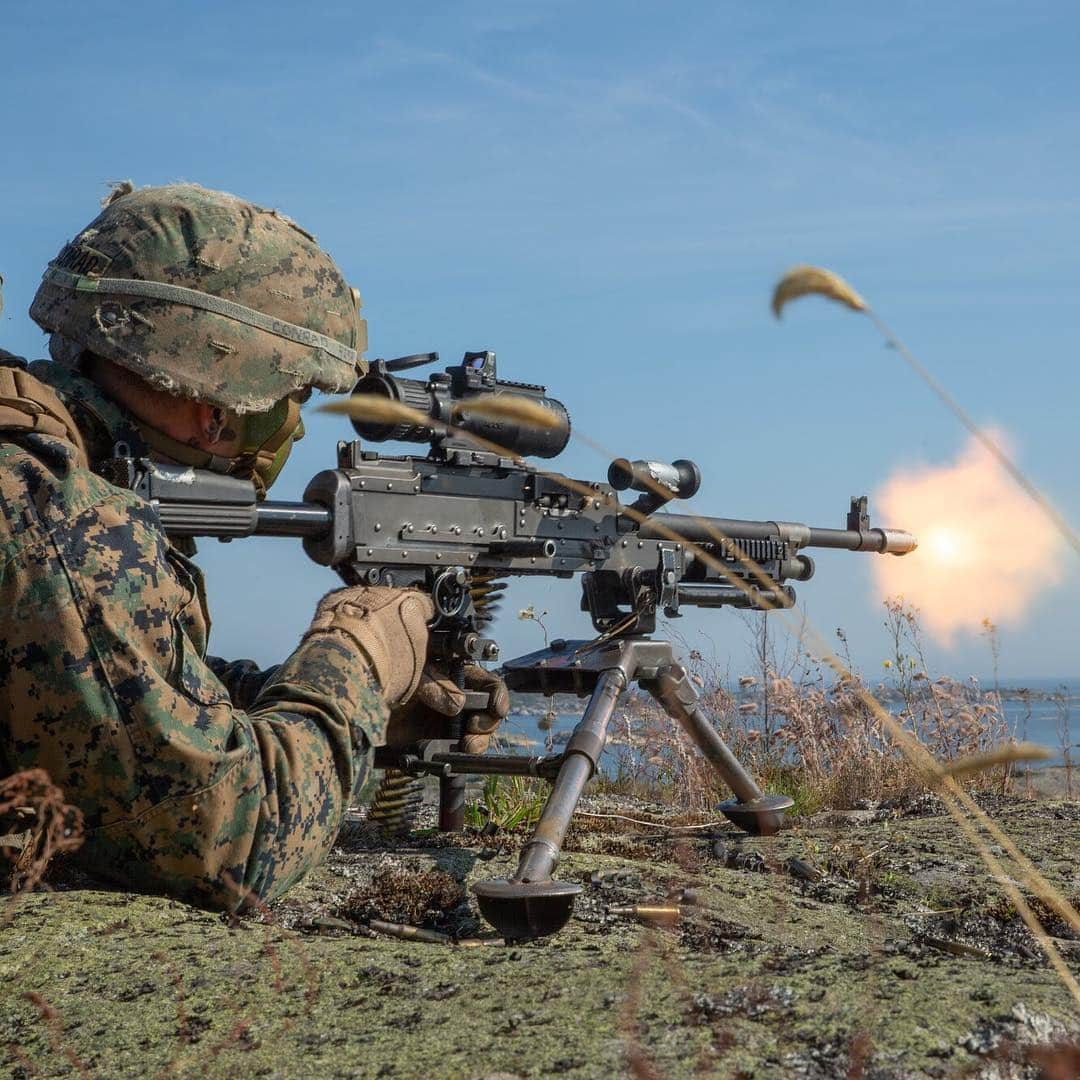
(472, 512)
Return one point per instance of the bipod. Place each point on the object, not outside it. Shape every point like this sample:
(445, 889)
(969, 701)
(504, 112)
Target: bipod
(531, 903)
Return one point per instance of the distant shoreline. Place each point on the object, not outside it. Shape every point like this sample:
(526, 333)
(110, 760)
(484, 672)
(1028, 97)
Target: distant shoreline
(1009, 689)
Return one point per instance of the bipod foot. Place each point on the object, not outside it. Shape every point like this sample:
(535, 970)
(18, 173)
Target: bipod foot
(763, 816)
(520, 910)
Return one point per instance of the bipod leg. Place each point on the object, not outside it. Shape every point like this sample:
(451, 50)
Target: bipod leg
(751, 810)
(530, 904)
(452, 787)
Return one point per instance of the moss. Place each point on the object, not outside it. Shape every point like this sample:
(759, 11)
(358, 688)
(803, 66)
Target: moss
(764, 973)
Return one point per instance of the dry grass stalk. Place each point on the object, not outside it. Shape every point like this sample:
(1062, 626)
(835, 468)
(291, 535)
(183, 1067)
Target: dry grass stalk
(922, 766)
(999, 454)
(638, 1064)
(30, 800)
(376, 410)
(970, 817)
(806, 280)
(822, 743)
(55, 1024)
(249, 901)
(814, 281)
(966, 813)
(511, 407)
(959, 804)
(1061, 704)
(977, 763)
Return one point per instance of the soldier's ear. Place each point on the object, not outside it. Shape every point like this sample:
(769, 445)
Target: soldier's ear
(211, 421)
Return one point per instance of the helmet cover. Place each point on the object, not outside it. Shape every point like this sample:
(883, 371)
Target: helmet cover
(203, 294)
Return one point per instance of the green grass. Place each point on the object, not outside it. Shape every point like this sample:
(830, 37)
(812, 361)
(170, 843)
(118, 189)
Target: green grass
(510, 802)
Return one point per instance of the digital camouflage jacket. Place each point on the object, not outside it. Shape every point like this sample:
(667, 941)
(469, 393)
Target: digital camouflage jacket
(209, 781)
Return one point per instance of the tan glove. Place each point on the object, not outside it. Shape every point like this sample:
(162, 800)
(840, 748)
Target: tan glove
(424, 715)
(389, 626)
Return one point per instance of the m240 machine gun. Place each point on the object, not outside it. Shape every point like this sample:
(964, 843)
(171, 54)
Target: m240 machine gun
(472, 512)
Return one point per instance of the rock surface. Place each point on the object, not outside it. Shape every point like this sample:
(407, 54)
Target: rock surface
(871, 945)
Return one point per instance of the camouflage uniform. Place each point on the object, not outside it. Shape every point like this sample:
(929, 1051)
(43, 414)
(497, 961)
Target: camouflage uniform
(197, 777)
(206, 780)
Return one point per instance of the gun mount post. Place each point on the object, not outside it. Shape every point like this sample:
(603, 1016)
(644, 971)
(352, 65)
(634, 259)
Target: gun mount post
(531, 903)
(452, 785)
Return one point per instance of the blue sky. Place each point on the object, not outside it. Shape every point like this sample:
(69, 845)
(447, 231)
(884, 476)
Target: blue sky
(605, 194)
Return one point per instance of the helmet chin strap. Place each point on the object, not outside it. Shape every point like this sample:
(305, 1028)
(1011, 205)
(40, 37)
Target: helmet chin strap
(260, 460)
(184, 453)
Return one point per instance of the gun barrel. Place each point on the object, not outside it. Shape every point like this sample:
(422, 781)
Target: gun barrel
(883, 541)
(197, 502)
(228, 520)
(291, 519)
(711, 530)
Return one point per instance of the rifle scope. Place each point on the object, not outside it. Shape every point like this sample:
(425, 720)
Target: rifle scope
(444, 398)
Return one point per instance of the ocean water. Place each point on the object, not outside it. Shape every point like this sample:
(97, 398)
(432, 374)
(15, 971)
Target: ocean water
(1044, 725)
(1038, 720)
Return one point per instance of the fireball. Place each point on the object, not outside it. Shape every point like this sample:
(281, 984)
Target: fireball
(985, 551)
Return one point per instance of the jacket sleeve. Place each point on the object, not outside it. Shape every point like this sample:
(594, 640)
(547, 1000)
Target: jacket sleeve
(103, 677)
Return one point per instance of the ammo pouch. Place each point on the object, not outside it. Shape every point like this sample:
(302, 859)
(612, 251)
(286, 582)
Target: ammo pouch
(28, 406)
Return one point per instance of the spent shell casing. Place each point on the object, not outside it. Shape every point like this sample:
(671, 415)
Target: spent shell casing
(649, 912)
(957, 948)
(409, 933)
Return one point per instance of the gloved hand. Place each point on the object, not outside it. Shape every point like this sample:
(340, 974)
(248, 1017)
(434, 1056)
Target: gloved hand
(424, 715)
(389, 626)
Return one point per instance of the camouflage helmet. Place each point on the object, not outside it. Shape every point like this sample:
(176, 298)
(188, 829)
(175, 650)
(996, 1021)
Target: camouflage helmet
(205, 295)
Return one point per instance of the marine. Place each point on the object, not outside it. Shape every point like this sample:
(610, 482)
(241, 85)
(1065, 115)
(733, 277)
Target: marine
(189, 326)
